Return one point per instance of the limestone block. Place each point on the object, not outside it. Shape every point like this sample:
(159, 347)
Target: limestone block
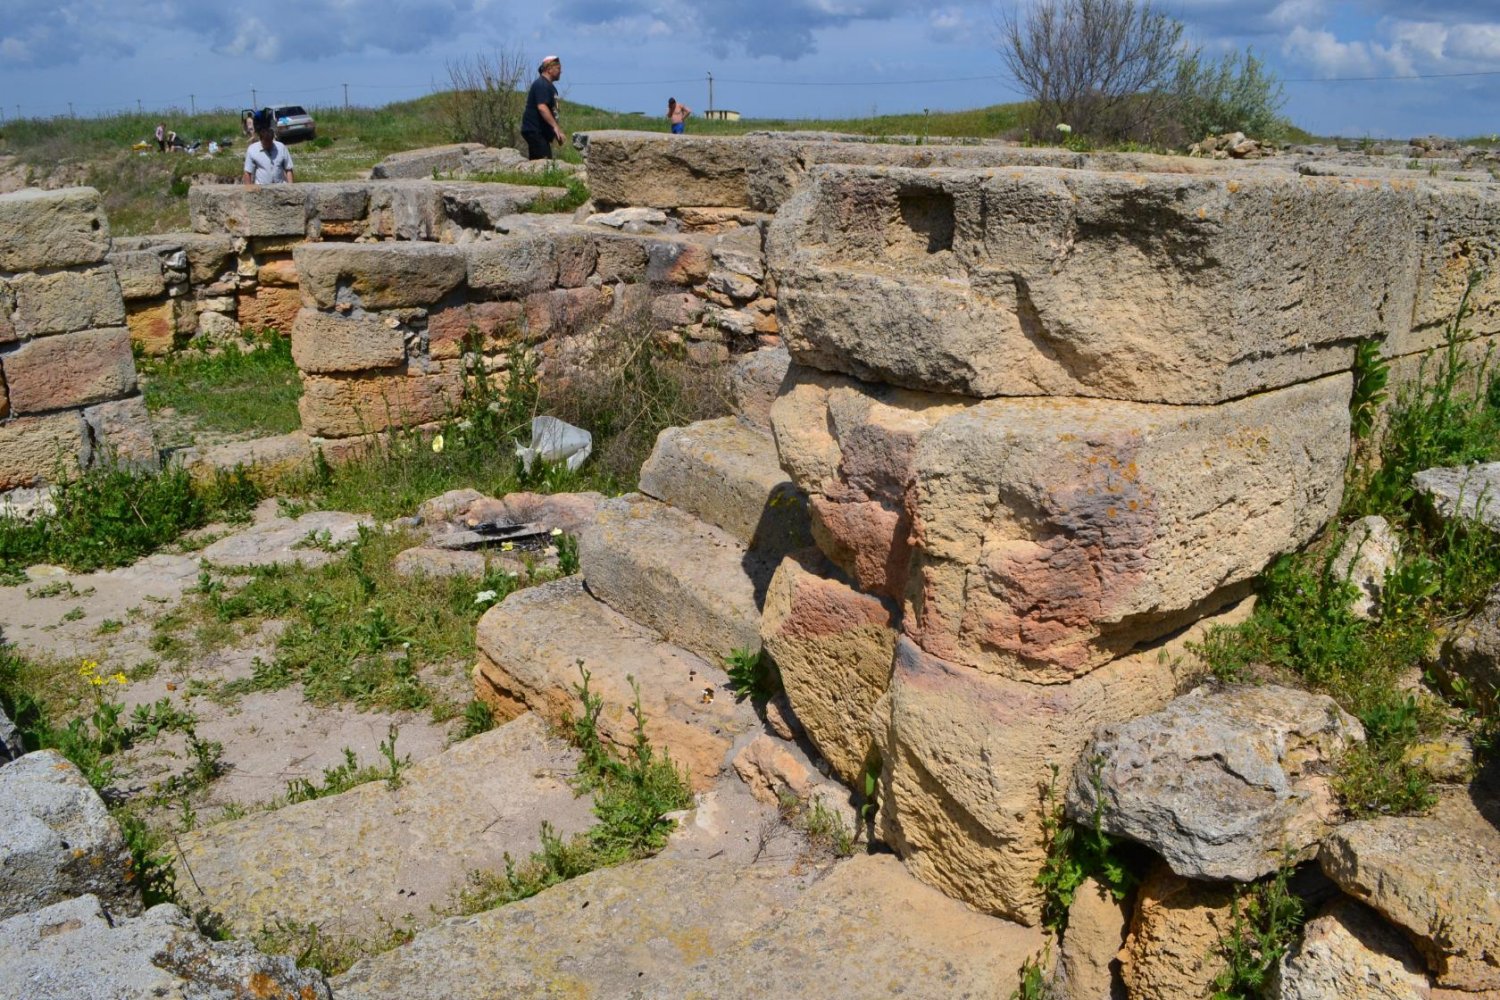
(59, 840)
(345, 201)
(1432, 880)
(43, 229)
(1172, 949)
(634, 168)
(676, 309)
(513, 266)
(1370, 551)
(754, 382)
(1047, 535)
(217, 326)
(207, 253)
(1459, 236)
(70, 369)
(415, 164)
(1088, 962)
(34, 449)
(833, 647)
(7, 312)
(122, 432)
(677, 262)
(1157, 288)
(1471, 653)
(140, 273)
(323, 343)
(153, 325)
(577, 254)
(740, 252)
(368, 403)
(65, 301)
(268, 307)
(378, 275)
(564, 312)
(497, 325)
(1466, 492)
(620, 258)
(966, 755)
(407, 210)
(271, 210)
(1348, 953)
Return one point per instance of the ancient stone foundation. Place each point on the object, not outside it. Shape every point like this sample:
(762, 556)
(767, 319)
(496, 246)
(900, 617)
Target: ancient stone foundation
(67, 377)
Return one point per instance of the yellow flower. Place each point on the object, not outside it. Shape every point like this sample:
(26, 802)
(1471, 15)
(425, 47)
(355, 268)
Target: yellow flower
(87, 667)
(118, 678)
(507, 546)
(437, 445)
(96, 680)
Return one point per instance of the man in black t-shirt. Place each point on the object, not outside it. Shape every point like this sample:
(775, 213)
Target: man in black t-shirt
(539, 121)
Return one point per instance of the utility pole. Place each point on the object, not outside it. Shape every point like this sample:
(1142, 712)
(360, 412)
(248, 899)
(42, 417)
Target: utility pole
(138, 106)
(346, 97)
(193, 101)
(252, 99)
(710, 96)
(70, 110)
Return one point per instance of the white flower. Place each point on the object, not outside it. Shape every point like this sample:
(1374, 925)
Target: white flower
(484, 597)
(1064, 128)
(494, 407)
(437, 444)
(465, 425)
(556, 532)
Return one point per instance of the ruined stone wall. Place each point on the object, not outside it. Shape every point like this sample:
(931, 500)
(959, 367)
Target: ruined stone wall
(67, 377)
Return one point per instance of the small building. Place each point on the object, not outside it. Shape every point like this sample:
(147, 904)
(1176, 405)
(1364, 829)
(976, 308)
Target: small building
(721, 115)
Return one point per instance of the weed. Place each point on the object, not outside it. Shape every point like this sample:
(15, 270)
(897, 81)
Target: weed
(752, 675)
(1265, 920)
(633, 792)
(567, 553)
(824, 828)
(349, 774)
(1034, 984)
(74, 614)
(1077, 852)
(330, 954)
(476, 718)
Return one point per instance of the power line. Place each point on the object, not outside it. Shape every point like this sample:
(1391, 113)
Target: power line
(1388, 79)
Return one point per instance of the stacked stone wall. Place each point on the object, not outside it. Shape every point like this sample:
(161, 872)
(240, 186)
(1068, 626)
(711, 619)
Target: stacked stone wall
(68, 395)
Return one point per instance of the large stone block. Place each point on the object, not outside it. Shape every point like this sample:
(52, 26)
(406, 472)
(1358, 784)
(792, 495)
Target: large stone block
(70, 369)
(153, 325)
(1029, 281)
(268, 307)
(140, 273)
(369, 403)
(58, 839)
(621, 258)
(1047, 536)
(35, 449)
(636, 168)
(677, 262)
(967, 756)
(407, 210)
(65, 301)
(513, 266)
(208, 254)
(1458, 240)
(42, 229)
(323, 343)
(495, 325)
(344, 201)
(271, 210)
(378, 275)
(833, 647)
(564, 312)
(416, 164)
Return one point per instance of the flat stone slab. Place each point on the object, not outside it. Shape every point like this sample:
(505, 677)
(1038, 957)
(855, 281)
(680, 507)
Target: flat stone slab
(57, 839)
(690, 581)
(675, 929)
(530, 647)
(375, 857)
(726, 472)
(1467, 492)
(73, 950)
(304, 540)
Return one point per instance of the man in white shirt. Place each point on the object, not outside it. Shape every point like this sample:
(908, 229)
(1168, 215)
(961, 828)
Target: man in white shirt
(267, 162)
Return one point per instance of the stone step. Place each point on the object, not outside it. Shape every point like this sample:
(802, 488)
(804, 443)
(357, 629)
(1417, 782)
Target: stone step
(692, 582)
(372, 858)
(676, 928)
(530, 647)
(726, 472)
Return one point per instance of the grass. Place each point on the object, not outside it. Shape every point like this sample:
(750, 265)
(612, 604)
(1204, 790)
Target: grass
(1303, 627)
(1265, 921)
(633, 792)
(249, 389)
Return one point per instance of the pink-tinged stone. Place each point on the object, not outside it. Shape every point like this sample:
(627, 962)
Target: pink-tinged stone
(495, 324)
(70, 369)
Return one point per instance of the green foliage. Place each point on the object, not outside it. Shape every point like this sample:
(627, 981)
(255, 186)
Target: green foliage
(567, 554)
(476, 718)
(822, 825)
(1077, 852)
(1034, 984)
(633, 792)
(752, 674)
(350, 774)
(1265, 920)
(252, 386)
(1371, 376)
(331, 954)
(1236, 94)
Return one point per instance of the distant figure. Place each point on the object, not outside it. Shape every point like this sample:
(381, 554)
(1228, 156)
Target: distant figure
(677, 114)
(249, 125)
(267, 162)
(161, 137)
(539, 121)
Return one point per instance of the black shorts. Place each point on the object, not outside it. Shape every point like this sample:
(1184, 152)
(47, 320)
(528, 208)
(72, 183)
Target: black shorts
(538, 146)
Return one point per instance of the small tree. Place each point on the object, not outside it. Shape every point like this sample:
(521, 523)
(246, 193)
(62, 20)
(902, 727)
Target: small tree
(485, 102)
(1106, 68)
(1236, 94)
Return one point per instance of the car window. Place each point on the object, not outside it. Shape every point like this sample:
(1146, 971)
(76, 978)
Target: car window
(291, 110)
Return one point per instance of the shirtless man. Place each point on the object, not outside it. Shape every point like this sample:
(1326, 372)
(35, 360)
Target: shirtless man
(677, 114)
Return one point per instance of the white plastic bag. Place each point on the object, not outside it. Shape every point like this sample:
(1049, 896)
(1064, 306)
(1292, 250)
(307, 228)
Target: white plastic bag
(554, 440)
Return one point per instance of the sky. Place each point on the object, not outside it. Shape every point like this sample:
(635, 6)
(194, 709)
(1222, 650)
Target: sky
(1381, 68)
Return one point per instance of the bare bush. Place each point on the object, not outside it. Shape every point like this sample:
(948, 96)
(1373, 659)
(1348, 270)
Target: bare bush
(485, 102)
(1106, 68)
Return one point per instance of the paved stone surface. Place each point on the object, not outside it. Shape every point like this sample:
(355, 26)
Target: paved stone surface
(306, 540)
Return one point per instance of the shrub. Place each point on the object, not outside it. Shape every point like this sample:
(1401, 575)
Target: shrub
(484, 104)
(1236, 94)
